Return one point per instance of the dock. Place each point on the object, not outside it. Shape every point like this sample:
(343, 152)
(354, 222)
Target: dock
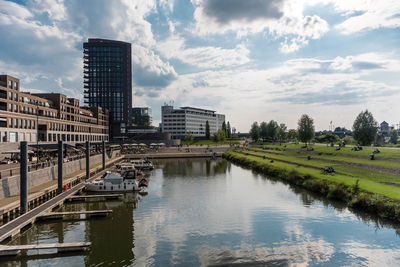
(60, 215)
(96, 197)
(60, 247)
(15, 226)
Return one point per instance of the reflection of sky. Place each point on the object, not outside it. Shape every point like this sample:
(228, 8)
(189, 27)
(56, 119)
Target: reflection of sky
(240, 217)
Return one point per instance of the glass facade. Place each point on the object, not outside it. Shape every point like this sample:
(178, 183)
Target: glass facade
(108, 79)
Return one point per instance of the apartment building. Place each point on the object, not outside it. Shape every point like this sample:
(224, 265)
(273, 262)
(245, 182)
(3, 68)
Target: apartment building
(47, 117)
(178, 122)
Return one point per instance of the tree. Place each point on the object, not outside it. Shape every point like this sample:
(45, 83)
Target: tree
(189, 136)
(219, 135)
(255, 131)
(281, 133)
(272, 129)
(228, 130)
(292, 134)
(393, 136)
(207, 130)
(263, 130)
(305, 129)
(365, 128)
(224, 128)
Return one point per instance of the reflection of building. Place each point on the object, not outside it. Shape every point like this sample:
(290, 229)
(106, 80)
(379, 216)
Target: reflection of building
(178, 122)
(141, 116)
(54, 116)
(108, 81)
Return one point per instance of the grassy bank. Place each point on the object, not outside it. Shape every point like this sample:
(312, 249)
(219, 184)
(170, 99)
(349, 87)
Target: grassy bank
(365, 194)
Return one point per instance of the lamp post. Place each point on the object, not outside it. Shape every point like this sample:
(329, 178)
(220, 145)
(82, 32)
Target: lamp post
(37, 134)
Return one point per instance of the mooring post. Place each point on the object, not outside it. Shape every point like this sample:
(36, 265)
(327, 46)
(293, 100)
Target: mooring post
(24, 177)
(104, 154)
(60, 167)
(87, 160)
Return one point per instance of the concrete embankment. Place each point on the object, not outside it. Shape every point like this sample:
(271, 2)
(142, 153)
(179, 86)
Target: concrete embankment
(354, 197)
(10, 186)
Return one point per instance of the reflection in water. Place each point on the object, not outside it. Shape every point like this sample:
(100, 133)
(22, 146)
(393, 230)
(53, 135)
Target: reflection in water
(212, 213)
(192, 167)
(113, 239)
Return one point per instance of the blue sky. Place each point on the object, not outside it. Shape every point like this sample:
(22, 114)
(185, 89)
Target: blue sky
(253, 60)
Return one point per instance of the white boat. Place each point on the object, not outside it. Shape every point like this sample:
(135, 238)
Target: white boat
(142, 164)
(113, 182)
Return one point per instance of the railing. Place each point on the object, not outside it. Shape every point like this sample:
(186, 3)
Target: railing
(41, 165)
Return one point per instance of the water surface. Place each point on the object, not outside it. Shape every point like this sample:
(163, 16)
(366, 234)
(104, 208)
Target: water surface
(212, 213)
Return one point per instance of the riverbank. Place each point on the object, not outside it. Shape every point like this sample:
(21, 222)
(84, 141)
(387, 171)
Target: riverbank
(356, 192)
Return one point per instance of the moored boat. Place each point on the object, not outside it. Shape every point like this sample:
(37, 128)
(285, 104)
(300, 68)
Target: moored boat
(128, 181)
(142, 164)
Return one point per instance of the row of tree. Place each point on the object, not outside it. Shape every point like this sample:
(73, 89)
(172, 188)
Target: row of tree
(271, 131)
(365, 130)
(220, 135)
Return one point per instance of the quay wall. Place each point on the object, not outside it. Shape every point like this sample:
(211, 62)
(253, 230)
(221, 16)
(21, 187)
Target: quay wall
(10, 186)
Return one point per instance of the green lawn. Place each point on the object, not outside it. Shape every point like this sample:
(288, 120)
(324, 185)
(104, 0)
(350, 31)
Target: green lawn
(338, 157)
(341, 168)
(392, 153)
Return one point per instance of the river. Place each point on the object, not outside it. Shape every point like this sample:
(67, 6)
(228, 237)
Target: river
(213, 213)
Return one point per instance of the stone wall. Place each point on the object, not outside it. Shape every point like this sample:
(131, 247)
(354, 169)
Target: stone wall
(10, 186)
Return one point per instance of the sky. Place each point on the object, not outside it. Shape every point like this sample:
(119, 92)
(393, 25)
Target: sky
(253, 60)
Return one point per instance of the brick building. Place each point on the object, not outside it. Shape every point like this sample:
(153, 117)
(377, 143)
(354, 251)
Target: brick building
(51, 116)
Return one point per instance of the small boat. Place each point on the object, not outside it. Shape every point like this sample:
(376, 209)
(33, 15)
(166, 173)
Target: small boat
(128, 181)
(142, 164)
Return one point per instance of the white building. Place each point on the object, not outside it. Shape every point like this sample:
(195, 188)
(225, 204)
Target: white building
(178, 122)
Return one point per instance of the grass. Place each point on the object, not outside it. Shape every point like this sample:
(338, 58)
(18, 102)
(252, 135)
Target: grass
(385, 152)
(358, 173)
(210, 142)
(339, 157)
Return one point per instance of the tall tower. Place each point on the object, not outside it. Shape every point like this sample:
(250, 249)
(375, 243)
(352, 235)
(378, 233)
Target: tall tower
(108, 81)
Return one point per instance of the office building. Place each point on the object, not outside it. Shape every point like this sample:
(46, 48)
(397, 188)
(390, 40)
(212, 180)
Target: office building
(178, 122)
(141, 116)
(49, 116)
(108, 81)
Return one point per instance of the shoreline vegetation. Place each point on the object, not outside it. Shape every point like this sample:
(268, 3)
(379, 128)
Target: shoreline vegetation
(359, 187)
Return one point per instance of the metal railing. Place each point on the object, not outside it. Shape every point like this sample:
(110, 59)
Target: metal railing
(41, 165)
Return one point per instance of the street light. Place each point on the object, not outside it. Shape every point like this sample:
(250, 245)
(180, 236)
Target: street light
(37, 134)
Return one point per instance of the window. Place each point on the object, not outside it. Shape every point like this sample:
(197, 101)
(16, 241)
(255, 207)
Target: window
(10, 84)
(15, 85)
(10, 96)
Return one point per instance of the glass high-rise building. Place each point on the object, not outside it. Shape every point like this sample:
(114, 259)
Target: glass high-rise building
(108, 81)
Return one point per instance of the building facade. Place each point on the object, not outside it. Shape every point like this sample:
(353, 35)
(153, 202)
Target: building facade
(108, 81)
(47, 117)
(141, 116)
(178, 122)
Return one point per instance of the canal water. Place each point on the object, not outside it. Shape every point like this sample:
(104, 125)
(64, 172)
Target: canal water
(213, 213)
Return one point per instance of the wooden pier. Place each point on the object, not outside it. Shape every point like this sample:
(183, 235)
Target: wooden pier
(60, 247)
(95, 197)
(60, 215)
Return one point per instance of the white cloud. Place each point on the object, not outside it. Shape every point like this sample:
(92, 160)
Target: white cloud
(337, 88)
(365, 14)
(204, 56)
(44, 39)
(281, 18)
